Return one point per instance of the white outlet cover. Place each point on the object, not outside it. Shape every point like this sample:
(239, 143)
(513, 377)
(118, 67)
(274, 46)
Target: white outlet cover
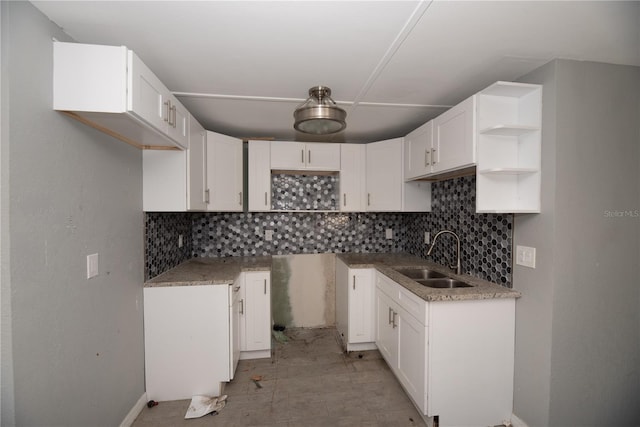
(389, 233)
(526, 256)
(427, 237)
(92, 265)
(268, 235)
(180, 240)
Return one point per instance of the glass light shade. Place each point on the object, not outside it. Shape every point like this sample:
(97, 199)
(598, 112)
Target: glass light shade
(319, 114)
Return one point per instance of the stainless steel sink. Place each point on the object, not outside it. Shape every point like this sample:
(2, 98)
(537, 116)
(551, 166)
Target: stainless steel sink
(444, 283)
(418, 274)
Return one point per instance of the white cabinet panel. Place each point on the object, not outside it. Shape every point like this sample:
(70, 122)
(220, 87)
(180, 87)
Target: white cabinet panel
(323, 156)
(224, 173)
(187, 349)
(256, 318)
(454, 137)
(164, 181)
(386, 188)
(352, 177)
(361, 306)
(289, 155)
(259, 175)
(384, 175)
(355, 307)
(417, 151)
(197, 167)
(386, 333)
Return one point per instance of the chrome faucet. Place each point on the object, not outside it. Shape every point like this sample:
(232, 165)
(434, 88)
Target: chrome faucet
(457, 266)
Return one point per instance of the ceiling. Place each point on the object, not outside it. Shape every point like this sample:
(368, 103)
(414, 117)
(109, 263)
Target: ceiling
(242, 67)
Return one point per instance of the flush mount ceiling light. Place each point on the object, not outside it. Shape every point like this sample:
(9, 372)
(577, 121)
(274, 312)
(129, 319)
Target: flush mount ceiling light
(319, 114)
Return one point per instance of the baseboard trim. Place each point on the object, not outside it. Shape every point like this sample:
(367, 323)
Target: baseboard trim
(135, 411)
(517, 422)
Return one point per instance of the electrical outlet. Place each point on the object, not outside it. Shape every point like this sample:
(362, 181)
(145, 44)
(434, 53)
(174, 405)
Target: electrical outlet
(389, 234)
(92, 265)
(268, 235)
(180, 240)
(526, 256)
(427, 237)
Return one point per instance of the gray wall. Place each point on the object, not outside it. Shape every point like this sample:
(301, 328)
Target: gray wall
(77, 344)
(577, 339)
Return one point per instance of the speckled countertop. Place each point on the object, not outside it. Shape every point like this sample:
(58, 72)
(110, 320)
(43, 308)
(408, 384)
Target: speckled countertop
(209, 271)
(384, 263)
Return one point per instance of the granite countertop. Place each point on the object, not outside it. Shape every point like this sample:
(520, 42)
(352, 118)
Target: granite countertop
(210, 271)
(385, 263)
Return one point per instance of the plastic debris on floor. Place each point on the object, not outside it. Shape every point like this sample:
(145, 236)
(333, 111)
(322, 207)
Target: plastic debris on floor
(280, 336)
(203, 405)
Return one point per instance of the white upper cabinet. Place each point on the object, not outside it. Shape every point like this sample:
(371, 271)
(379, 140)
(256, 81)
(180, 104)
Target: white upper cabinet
(417, 151)
(224, 173)
(386, 188)
(454, 144)
(110, 89)
(289, 155)
(509, 146)
(352, 177)
(259, 176)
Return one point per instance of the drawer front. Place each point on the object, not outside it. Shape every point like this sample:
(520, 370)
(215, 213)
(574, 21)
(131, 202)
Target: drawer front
(414, 305)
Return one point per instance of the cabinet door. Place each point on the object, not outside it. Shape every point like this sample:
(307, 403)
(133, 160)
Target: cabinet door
(322, 156)
(259, 176)
(178, 123)
(288, 155)
(197, 167)
(411, 356)
(384, 175)
(257, 313)
(352, 177)
(361, 306)
(224, 172)
(386, 334)
(454, 137)
(149, 97)
(417, 151)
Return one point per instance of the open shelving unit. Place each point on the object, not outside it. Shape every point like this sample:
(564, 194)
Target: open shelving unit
(509, 117)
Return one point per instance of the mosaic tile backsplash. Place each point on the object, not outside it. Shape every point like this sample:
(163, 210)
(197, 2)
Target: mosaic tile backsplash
(304, 192)
(162, 231)
(486, 239)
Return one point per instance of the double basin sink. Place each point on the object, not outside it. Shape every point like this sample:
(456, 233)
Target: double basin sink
(432, 279)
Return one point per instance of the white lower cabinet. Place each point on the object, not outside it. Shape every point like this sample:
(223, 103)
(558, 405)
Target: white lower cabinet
(192, 339)
(355, 307)
(255, 322)
(453, 358)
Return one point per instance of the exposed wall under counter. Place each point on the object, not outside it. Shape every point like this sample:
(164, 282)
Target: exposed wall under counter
(486, 239)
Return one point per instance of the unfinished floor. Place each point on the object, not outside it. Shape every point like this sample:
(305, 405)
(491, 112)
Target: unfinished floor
(309, 381)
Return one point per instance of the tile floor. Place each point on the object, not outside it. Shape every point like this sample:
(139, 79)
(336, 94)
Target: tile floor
(309, 381)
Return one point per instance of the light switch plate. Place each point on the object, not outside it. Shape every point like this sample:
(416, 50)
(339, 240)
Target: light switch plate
(389, 234)
(526, 256)
(92, 265)
(268, 235)
(427, 237)
(180, 240)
